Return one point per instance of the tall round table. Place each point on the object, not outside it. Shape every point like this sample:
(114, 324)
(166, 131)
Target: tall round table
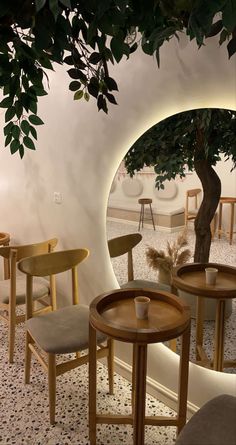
(191, 278)
(113, 314)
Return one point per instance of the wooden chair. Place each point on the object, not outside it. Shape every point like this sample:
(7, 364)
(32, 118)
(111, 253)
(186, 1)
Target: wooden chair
(62, 331)
(191, 213)
(124, 245)
(12, 289)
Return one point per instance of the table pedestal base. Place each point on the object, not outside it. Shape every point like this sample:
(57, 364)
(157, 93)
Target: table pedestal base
(137, 418)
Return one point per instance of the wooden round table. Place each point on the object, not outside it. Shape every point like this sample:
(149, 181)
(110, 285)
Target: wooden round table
(113, 314)
(191, 278)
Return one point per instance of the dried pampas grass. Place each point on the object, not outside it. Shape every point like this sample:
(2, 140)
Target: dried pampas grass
(175, 256)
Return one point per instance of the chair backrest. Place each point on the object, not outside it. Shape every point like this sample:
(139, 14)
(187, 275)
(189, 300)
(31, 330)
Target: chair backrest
(15, 253)
(50, 264)
(124, 244)
(193, 193)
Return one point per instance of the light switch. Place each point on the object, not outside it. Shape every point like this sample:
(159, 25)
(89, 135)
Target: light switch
(57, 197)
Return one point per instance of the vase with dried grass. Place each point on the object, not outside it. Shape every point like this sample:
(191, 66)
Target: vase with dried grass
(164, 262)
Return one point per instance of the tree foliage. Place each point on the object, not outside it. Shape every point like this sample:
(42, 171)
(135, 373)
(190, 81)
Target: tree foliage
(87, 36)
(183, 139)
(195, 139)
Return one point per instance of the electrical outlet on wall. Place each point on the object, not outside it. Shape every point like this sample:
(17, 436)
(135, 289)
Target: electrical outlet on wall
(57, 197)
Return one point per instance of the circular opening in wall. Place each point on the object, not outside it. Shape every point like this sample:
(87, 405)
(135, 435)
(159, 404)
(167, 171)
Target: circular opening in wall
(167, 155)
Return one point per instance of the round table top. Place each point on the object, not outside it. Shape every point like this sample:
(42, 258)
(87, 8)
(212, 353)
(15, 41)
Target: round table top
(4, 238)
(191, 278)
(145, 200)
(227, 200)
(113, 314)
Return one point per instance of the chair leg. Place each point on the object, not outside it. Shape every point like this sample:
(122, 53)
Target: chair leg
(52, 386)
(152, 217)
(110, 364)
(28, 354)
(12, 329)
(140, 217)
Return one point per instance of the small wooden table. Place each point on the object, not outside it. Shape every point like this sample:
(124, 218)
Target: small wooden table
(191, 278)
(113, 314)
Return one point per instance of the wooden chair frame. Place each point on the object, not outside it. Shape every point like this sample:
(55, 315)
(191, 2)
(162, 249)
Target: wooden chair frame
(191, 216)
(125, 244)
(188, 215)
(55, 263)
(13, 254)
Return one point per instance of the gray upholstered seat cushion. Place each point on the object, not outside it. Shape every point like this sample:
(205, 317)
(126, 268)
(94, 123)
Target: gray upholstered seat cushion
(40, 288)
(213, 424)
(63, 331)
(143, 284)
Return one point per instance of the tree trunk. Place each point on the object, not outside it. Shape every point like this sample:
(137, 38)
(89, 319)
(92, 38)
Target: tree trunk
(211, 194)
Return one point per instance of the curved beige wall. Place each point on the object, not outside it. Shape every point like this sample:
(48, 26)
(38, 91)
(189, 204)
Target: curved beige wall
(78, 153)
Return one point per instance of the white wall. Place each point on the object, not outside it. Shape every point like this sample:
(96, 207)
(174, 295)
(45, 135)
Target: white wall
(119, 199)
(80, 149)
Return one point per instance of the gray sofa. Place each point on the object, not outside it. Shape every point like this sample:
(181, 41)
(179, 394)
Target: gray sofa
(213, 424)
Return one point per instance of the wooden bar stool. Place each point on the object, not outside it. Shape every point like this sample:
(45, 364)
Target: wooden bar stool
(144, 201)
(231, 201)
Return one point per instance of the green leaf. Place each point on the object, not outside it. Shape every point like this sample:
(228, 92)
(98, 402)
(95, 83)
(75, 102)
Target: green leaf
(25, 127)
(15, 132)
(101, 103)
(74, 73)
(78, 95)
(223, 36)
(66, 3)
(39, 4)
(28, 143)
(14, 147)
(33, 132)
(86, 96)
(93, 87)
(117, 48)
(40, 91)
(95, 58)
(231, 47)
(19, 109)
(33, 106)
(8, 139)
(21, 151)
(7, 128)
(6, 102)
(74, 86)
(229, 15)
(111, 98)
(10, 113)
(54, 8)
(35, 120)
(69, 60)
(111, 84)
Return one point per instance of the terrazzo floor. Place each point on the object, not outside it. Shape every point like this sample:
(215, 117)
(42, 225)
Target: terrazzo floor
(24, 416)
(221, 252)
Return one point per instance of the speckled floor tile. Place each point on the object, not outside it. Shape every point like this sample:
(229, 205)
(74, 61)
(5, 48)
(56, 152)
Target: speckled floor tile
(24, 416)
